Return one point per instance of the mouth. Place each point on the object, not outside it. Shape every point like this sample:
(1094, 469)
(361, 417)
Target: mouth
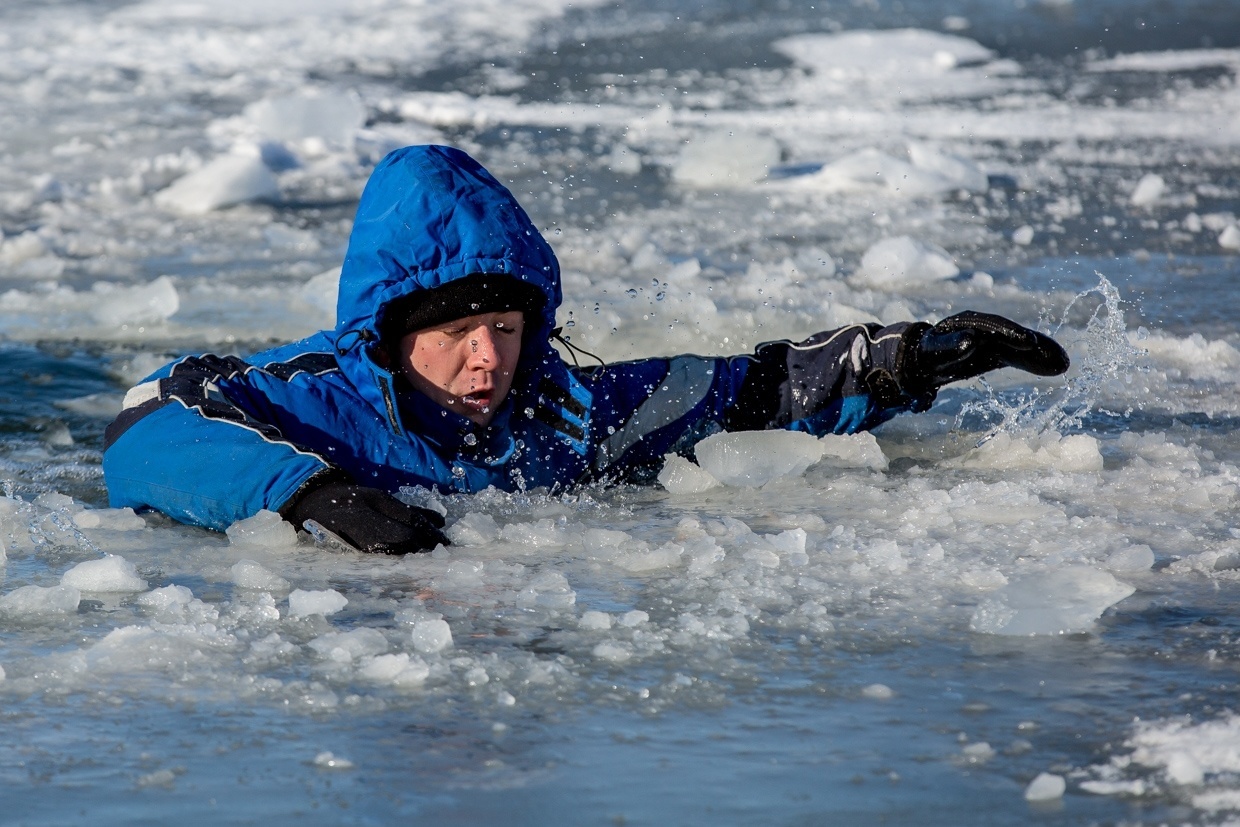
(477, 401)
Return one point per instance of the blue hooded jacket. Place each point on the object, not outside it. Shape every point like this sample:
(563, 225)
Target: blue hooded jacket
(212, 439)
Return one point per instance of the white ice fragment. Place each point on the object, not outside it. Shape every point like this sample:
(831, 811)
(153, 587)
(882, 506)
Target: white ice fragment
(549, 590)
(329, 761)
(251, 575)
(635, 617)
(1229, 239)
(860, 450)
(1131, 559)
(624, 160)
(1023, 235)
(2, 675)
(109, 574)
(504, 698)
(303, 603)
(37, 600)
(682, 477)
(1149, 189)
(143, 304)
(322, 291)
(430, 636)
(750, 459)
(158, 778)
(902, 261)
(477, 676)
(343, 647)
(474, 529)
(1046, 787)
(334, 117)
(1062, 601)
(397, 669)
(595, 621)
(643, 559)
(95, 405)
(266, 529)
(230, 179)
(1075, 453)
(111, 519)
(978, 753)
(878, 692)
(613, 651)
(731, 158)
(165, 597)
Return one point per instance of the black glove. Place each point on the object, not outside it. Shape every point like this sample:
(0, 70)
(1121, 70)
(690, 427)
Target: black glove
(969, 344)
(367, 518)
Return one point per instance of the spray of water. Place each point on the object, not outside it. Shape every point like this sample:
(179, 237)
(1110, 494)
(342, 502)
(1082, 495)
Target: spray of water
(1104, 355)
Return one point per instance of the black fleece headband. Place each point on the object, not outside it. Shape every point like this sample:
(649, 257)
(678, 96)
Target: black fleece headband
(470, 296)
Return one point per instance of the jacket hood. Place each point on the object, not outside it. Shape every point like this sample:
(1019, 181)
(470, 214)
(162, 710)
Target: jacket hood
(430, 215)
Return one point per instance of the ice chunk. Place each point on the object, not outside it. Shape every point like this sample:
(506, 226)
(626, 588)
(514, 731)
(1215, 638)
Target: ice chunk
(166, 597)
(95, 405)
(334, 117)
(430, 636)
(902, 261)
(729, 158)
(614, 651)
(1076, 453)
(474, 529)
(303, 603)
(637, 560)
(1229, 238)
(1149, 189)
(344, 647)
(1046, 787)
(635, 617)
(956, 172)
(595, 621)
(330, 761)
(859, 450)
(251, 575)
(1023, 235)
(928, 172)
(230, 179)
(112, 519)
(38, 600)
(751, 459)
(549, 590)
(1056, 602)
(879, 692)
(142, 304)
(110, 574)
(397, 669)
(266, 528)
(680, 476)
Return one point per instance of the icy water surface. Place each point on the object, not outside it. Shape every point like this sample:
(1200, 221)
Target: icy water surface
(1015, 608)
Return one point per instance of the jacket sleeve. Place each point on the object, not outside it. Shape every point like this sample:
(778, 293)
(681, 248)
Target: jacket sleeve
(193, 442)
(838, 381)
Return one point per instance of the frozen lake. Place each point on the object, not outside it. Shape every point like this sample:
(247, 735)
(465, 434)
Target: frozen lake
(1014, 608)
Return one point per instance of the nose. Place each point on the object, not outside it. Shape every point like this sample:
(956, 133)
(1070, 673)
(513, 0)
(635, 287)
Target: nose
(484, 353)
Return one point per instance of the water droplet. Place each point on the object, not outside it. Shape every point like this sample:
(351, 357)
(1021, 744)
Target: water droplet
(631, 293)
(471, 439)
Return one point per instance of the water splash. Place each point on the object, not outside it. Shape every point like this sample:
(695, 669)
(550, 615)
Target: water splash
(1106, 356)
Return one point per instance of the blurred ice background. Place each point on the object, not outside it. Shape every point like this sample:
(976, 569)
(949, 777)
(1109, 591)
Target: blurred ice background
(1014, 607)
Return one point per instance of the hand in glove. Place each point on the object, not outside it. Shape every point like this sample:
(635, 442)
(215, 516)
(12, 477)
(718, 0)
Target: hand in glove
(367, 518)
(969, 344)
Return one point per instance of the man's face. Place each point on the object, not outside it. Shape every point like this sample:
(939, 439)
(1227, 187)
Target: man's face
(465, 365)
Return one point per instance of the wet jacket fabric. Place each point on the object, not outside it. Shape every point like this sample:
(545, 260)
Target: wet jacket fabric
(213, 439)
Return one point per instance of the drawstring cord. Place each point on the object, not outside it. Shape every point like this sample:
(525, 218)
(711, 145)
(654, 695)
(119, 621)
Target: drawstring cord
(573, 350)
(363, 335)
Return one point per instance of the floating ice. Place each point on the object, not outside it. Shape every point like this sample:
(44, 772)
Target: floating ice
(1058, 602)
(333, 117)
(903, 261)
(430, 636)
(303, 603)
(860, 450)
(251, 575)
(751, 459)
(878, 692)
(344, 647)
(1075, 453)
(398, 669)
(165, 598)
(40, 600)
(1229, 238)
(725, 159)
(680, 476)
(927, 172)
(229, 179)
(1046, 787)
(265, 529)
(1023, 235)
(330, 761)
(111, 574)
(111, 519)
(1149, 190)
(595, 621)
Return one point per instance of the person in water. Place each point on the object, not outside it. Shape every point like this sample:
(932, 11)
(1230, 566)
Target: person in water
(440, 373)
